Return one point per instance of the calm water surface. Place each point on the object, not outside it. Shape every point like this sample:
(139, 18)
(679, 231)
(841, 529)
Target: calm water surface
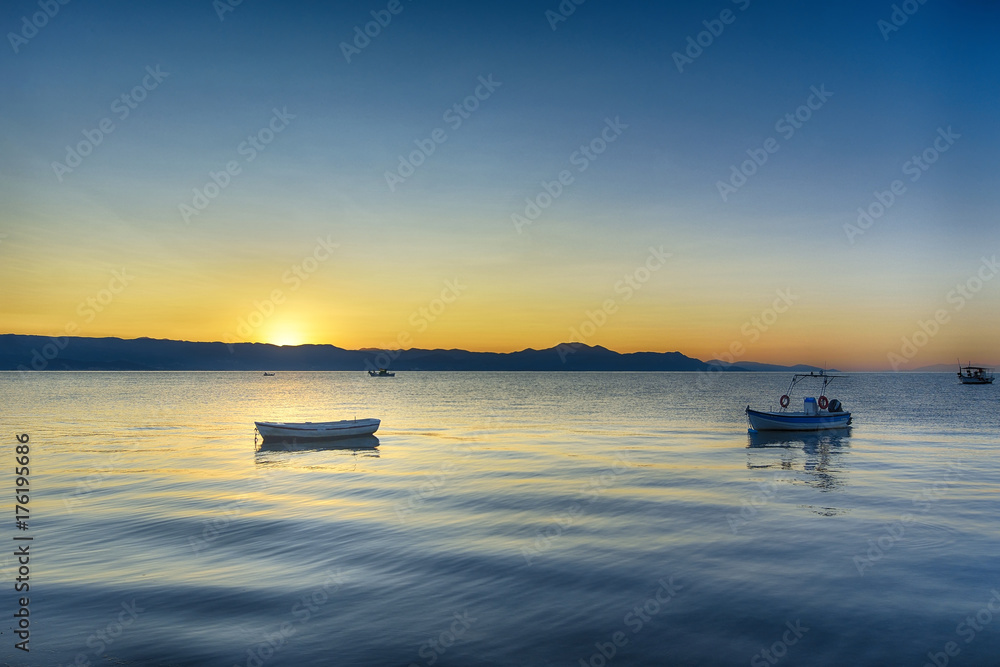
(505, 519)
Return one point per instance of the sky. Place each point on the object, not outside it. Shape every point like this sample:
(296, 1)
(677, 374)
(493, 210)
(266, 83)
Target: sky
(746, 180)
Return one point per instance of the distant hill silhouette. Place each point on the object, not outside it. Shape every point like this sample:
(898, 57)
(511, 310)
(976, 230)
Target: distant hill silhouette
(937, 368)
(759, 367)
(19, 352)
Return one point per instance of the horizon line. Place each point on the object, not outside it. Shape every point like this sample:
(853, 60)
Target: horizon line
(715, 361)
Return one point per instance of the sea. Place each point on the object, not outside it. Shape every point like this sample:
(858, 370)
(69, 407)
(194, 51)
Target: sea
(577, 519)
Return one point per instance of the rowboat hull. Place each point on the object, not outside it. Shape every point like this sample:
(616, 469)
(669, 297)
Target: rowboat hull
(317, 431)
(797, 421)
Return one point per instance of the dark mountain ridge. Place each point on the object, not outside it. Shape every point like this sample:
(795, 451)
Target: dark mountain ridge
(22, 352)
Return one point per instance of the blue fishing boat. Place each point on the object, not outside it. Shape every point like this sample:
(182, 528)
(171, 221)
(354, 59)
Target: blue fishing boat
(816, 415)
(975, 374)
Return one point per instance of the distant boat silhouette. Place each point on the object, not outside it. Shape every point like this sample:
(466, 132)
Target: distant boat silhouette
(975, 374)
(269, 375)
(382, 373)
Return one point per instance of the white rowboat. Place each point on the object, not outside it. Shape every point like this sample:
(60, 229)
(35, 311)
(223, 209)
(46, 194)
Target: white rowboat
(347, 428)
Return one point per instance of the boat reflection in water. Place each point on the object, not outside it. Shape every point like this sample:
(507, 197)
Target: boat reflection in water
(364, 444)
(820, 455)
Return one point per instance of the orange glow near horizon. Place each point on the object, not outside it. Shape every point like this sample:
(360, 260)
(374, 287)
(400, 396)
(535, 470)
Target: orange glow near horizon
(497, 301)
(702, 337)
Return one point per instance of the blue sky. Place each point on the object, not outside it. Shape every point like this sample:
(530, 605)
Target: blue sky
(657, 184)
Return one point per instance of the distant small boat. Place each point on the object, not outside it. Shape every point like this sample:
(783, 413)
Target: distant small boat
(816, 415)
(315, 431)
(975, 375)
(381, 373)
(269, 375)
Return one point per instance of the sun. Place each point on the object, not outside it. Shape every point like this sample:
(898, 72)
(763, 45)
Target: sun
(286, 336)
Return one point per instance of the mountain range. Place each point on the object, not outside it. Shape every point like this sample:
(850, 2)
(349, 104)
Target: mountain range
(22, 352)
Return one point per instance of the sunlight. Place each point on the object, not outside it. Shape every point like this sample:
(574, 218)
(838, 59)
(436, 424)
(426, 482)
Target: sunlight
(286, 335)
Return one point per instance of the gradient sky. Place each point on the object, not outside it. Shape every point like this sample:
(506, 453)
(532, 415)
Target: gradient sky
(323, 177)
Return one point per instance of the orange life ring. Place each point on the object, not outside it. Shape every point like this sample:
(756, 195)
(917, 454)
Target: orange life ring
(823, 402)
(785, 400)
